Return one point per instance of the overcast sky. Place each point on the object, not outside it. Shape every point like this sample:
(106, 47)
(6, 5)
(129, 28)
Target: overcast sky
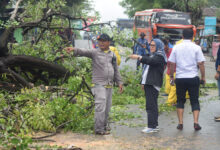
(109, 9)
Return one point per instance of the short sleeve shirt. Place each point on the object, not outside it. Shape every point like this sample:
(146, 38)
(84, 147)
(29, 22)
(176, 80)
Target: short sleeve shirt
(186, 55)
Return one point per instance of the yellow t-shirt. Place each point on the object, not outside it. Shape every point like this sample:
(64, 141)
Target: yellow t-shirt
(180, 41)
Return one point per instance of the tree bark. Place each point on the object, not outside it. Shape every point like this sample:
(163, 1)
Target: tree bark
(30, 64)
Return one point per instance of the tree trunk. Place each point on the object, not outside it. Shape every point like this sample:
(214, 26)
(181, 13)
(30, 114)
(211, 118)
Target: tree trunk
(30, 64)
(4, 42)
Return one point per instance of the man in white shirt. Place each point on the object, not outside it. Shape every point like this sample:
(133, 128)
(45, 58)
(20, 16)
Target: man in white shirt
(188, 58)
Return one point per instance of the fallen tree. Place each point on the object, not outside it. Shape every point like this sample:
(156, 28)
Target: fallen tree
(24, 71)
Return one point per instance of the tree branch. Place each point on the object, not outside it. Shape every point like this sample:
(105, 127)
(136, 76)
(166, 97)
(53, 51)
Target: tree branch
(19, 78)
(15, 10)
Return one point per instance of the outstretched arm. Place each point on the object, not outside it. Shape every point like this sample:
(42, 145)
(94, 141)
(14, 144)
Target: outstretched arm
(80, 52)
(154, 60)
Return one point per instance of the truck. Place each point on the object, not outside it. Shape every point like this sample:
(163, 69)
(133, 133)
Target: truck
(162, 23)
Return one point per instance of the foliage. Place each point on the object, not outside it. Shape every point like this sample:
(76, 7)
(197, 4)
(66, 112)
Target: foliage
(78, 7)
(166, 108)
(11, 141)
(48, 48)
(34, 110)
(218, 12)
(204, 89)
(214, 3)
(132, 81)
(120, 37)
(119, 113)
(192, 6)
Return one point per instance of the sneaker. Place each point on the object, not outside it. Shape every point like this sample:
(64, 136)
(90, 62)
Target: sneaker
(156, 129)
(197, 126)
(148, 130)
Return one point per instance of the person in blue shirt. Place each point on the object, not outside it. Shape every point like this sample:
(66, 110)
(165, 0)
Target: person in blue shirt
(142, 49)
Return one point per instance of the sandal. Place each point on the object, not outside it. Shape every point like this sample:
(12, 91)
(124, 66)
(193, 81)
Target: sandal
(217, 119)
(180, 127)
(197, 126)
(102, 133)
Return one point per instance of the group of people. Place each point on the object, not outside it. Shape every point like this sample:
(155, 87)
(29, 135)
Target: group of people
(184, 61)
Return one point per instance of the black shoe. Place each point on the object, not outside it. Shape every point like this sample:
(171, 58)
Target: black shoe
(180, 127)
(197, 126)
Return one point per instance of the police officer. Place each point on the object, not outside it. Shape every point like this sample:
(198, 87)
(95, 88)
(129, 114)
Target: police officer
(141, 49)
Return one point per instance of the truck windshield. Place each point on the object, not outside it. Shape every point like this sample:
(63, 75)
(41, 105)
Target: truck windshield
(142, 21)
(173, 18)
(174, 34)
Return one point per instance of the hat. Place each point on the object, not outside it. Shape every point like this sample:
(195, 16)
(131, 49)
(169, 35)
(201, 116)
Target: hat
(104, 37)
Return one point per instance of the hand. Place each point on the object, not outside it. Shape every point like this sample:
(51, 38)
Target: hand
(69, 49)
(217, 76)
(142, 87)
(172, 82)
(134, 56)
(121, 89)
(144, 46)
(203, 81)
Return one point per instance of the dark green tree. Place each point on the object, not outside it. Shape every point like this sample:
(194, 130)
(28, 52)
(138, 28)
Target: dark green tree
(214, 3)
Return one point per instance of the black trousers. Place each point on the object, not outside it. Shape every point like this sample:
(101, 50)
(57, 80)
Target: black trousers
(192, 85)
(151, 105)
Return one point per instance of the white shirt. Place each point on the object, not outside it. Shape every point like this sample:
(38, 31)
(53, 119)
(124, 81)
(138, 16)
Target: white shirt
(144, 75)
(186, 55)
